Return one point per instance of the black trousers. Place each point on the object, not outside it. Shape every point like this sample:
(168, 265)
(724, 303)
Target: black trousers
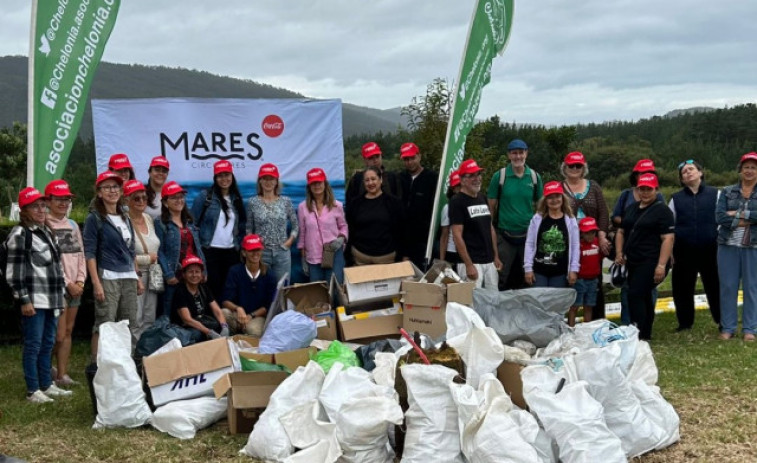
(688, 262)
(640, 286)
(219, 261)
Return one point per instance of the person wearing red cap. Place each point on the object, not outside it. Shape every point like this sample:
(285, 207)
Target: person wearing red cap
(372, 157)
(472, 229)
(270, 214)
(323, 226)
(179, 239)
(120, 165)
(38, 287)
(447, 249)
(249, 291)
(551, 258)
(146, 247)
(736, 214)
(695, 251)
(221, 219)
(418, 193)
(512, 196)
(587, 284)
(69, 238)
(158, 173)
(109, 249)
(644, 244)
(194, 307)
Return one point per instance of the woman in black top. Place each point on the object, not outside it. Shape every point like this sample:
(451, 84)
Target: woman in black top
(644, 243)
(375, 223)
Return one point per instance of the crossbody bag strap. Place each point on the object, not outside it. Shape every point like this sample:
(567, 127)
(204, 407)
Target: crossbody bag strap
(318, 223)
(630, 234)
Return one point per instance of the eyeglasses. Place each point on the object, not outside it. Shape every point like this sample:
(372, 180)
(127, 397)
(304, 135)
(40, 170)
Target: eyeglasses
(689, 161)
(61, 199)
(575, 166)
(139, 198)
(110, 187)
(39, 205)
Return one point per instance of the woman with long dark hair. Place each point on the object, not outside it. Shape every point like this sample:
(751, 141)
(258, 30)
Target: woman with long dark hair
(221, 219)
(158, 173)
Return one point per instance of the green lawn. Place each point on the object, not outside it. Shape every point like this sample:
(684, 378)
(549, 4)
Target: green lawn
(711, 383)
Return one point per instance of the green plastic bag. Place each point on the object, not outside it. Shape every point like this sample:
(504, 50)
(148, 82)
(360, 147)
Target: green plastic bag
(254, 365)
(337, 352)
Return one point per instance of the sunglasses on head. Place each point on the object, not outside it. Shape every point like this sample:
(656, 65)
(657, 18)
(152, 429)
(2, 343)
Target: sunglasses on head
(689, 161)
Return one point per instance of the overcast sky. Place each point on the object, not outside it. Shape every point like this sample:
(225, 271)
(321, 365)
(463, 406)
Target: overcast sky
(566, 62)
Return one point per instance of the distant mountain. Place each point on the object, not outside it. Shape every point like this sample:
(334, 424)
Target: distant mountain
(138, 81)
(694, 110)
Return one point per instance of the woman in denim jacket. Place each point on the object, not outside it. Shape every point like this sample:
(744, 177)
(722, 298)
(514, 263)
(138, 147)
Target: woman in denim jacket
(736, 214)
(221, 218)
(178, 239)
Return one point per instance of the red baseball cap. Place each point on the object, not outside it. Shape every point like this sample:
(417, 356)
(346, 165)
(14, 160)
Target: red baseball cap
(170, 189)
(644, 165)
(371, 149)
(119, 161)
(316, 175)
(576, 157)
(454, 178)
(409, 150)
(553, 188)
(58, 188)
(28, 195)
(108, 175)
(649, 180)
(468, 166)
(221, 167)
(748, 157)
(160, 161)
(132, 186)
(252, 242)
(268, 170)
(587, 224)
(191, 260)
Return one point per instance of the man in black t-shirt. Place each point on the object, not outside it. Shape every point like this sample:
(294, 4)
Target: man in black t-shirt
(472, 229)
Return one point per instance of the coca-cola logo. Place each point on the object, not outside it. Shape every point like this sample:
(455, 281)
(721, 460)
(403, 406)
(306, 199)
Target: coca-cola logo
(273, 126)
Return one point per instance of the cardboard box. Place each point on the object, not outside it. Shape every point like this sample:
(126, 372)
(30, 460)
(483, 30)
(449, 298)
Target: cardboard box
(250, 390)
(367, 282)
(424, 305)
(360, 326)
(188, 372)
(509, 375)
(310, 298)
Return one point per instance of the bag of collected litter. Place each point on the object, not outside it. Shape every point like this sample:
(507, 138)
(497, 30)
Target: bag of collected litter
(659, 411)
(159, 334)
(337, 352)
(254, 365)
(183, 418)
(431, 420)
(384, 372)
(600, 368)
(287, 331)
(367, 353)
(575, 420)
(268, 440)
(118, 388)
(534, 314)
(362, 429)
(343, 383)
(481, 350)
(308, 429)
(644, 367)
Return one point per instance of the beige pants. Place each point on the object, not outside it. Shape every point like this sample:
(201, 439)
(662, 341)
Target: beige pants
(365, 259)
(253, 327)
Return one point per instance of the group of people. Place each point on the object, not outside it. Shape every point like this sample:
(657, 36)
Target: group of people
(212, 268)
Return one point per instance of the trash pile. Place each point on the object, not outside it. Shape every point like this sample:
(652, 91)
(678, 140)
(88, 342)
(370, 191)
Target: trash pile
(507, 381)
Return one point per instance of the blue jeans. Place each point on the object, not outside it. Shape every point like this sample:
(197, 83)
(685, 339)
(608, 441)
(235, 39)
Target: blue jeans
(39, 337)
(323, 274)
(559, 281)
(736, 265)
(625, 312)
(279, 260)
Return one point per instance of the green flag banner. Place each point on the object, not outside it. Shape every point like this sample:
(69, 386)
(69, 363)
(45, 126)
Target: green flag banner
(487, 37)
(68, 38)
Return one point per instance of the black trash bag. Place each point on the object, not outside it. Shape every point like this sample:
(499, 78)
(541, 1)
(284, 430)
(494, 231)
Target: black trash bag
(159, 334)
(367, 353)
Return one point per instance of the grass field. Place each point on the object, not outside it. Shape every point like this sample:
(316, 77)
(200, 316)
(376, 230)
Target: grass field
(711, 383)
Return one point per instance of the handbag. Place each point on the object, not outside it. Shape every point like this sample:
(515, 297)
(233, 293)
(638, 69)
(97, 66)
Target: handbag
(155, 281)
(328, 254)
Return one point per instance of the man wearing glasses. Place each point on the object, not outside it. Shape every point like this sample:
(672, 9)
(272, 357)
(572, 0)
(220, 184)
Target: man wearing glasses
(513, 193)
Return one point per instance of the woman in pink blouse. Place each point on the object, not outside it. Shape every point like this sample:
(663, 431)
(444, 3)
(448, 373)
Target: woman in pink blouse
(322, 223)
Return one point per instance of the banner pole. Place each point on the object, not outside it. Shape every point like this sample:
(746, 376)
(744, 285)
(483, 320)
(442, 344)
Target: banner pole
(30, 100)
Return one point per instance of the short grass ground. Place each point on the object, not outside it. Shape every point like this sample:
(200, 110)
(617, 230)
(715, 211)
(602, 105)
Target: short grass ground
(711, 383)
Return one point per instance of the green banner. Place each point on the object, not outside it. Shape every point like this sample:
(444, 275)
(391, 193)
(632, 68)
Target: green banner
(68, 38)
(487, 37)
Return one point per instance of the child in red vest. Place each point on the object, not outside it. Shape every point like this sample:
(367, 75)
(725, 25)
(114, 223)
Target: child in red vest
(591, 269)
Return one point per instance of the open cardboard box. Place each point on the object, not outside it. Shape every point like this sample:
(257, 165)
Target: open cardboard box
(188, 372)
(424, 305)
(361, 327)
(309, 298)
(371, 282)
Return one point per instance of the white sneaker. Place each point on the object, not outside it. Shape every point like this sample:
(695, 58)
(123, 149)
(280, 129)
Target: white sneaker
(55, 391)
(38, 397)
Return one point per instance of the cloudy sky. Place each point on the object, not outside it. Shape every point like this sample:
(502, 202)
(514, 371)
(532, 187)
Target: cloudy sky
(566, 62)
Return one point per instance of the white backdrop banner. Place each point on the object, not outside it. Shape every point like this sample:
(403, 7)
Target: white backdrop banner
(294, 134)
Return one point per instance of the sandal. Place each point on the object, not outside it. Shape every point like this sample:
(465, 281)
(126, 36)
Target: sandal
(726, 336)
(749, 337)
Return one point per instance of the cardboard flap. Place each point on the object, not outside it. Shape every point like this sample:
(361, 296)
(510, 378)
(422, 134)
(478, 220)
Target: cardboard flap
(364, 273)
(423, 294)
(248, 387)
(188, 361)
(462, 293)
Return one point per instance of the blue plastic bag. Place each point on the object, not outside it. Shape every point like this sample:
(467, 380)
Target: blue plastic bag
(288, 330)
